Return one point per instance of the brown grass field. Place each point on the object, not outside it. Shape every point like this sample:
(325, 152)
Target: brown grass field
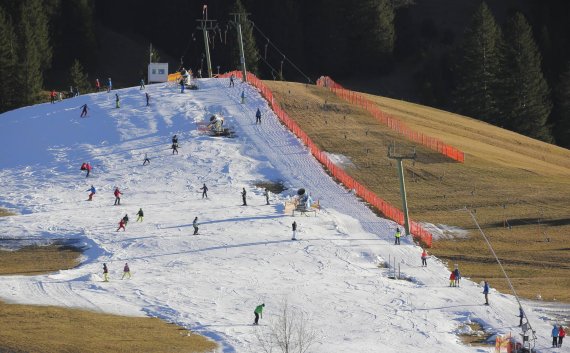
(34, 260)
(506, 177)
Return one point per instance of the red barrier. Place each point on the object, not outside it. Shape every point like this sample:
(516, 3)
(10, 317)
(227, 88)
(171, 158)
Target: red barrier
(390, 121)
(391, 212)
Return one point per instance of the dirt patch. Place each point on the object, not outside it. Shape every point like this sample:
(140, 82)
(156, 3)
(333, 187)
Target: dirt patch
(35, 260)
(56, 330)
(474, 335)
(275, 187)
(518, 187)
(5, 213)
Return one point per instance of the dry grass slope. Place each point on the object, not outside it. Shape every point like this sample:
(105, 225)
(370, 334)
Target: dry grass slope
(506, 176)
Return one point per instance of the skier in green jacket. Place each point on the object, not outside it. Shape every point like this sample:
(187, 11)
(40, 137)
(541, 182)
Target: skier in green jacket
(258, 313)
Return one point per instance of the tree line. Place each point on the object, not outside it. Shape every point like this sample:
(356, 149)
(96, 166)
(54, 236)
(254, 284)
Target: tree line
(501, 71)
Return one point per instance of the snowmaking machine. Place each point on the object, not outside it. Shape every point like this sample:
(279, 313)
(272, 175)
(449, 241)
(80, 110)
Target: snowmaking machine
(302, 203)
(186, 77)
(216, 127)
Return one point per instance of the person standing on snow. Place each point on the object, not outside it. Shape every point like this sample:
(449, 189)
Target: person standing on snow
(126, 271)
(84, 110)
(424, 258)
(109, 85)
(175, 139)
(457, 275)
(243, 194)
(117, 194)
(97, 85)
(142, 84)
(266, 194)
(561, 335)
(555, 333)
(146, 160)
(121, 225)
(242, 97)
(117, 101)
(258, 312)
(105, 273)
(486, 292)
(52, 96)
(397, 237)
(147, 99)
(88, 168)
(182, 85)
(174, 147)
(140, 215)
(195, 225)
(452, 279)
(232, 80)
(204, 191)
(92, 192)
(521, 316)
(294, 228)
(258, 117)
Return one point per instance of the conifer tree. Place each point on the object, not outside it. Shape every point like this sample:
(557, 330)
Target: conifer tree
(38, 21)
(8, 60)
(526, 102)
(29, 73)
(372, 32)
(78, 78)
(251, 52)
(562, 127)
(478, 68)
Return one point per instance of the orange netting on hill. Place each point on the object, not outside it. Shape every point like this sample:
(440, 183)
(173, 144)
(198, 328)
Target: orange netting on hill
(391, 212)
(388, 120)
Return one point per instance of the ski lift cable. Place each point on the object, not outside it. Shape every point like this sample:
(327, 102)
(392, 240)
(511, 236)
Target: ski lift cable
(268, 64)
(280, 52)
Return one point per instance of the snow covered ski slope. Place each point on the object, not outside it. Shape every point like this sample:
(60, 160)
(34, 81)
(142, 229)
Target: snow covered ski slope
(243, 255)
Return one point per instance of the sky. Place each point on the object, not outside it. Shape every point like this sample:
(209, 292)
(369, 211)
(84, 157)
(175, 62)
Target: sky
(242, 256)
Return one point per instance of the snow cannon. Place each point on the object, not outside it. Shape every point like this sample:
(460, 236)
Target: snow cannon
(216, 126)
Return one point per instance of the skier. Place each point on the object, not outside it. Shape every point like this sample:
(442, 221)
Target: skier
(181, 85)
(424, 258)
(232, 80)
(397, 237)
(126, 219)
(146, 160)
(126, 271)
(175, 139)
(109, 85)
(76, 92)
(561, 335)
(121, 225)
(242, 97)
(457, 275)
(243, 193)
(294, 227)
(52, 96)
(486, 292)
(258, 312)
(117, 194)
(140, 215)
(105, 273)
(195, 225)
(452, 279)
(174, 148)
(92, 192)
(84, 110)
(555, 333)
(83, 166)
(117, 101)
(204, 191)
(88, 168)
(147, 99)
(521, 316)
(60, 96)
(142, 84)
(257, 116)
(266, 194)
(97, 85)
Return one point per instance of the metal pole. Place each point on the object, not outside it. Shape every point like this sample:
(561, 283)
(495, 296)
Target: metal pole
(209, 63)
(404, 198)
(241, 52)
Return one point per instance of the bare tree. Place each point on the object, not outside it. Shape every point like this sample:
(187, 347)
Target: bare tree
(290, 332)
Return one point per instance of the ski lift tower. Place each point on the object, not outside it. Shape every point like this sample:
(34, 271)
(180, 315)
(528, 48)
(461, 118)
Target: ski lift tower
(399, 158)
(207, 25)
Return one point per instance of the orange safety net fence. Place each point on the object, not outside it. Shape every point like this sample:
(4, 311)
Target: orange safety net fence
(391, 212)
(388, 120)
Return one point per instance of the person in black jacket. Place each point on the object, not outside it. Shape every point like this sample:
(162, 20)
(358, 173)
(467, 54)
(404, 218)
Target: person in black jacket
(140, 215)
(294, 227)
(195, 225)
(243, 193)
(204, 191)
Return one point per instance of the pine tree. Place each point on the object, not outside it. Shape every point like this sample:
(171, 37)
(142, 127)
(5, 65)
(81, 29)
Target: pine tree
(29, 73)
(38, 21)
(479, 68)
(372, 32)
(562, 127)
(526, 102)
(251, 52)
(78, 78)
(8, 60)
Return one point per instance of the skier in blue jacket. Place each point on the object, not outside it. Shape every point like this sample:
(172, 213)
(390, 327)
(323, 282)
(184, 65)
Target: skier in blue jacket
(92, 192)
(555, 333)
(486, 292)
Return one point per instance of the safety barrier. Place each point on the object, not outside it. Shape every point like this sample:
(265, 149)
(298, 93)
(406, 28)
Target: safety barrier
(174, 77)
(391, 212)
(388, 120)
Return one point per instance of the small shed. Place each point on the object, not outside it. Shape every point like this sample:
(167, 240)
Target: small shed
(157, 72)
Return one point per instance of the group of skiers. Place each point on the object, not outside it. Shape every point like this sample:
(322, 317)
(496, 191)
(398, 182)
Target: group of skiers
(126, 272)
(558, 334)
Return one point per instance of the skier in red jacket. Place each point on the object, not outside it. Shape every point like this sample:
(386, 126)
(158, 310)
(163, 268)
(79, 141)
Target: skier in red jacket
(117, 196)
(122, 225)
